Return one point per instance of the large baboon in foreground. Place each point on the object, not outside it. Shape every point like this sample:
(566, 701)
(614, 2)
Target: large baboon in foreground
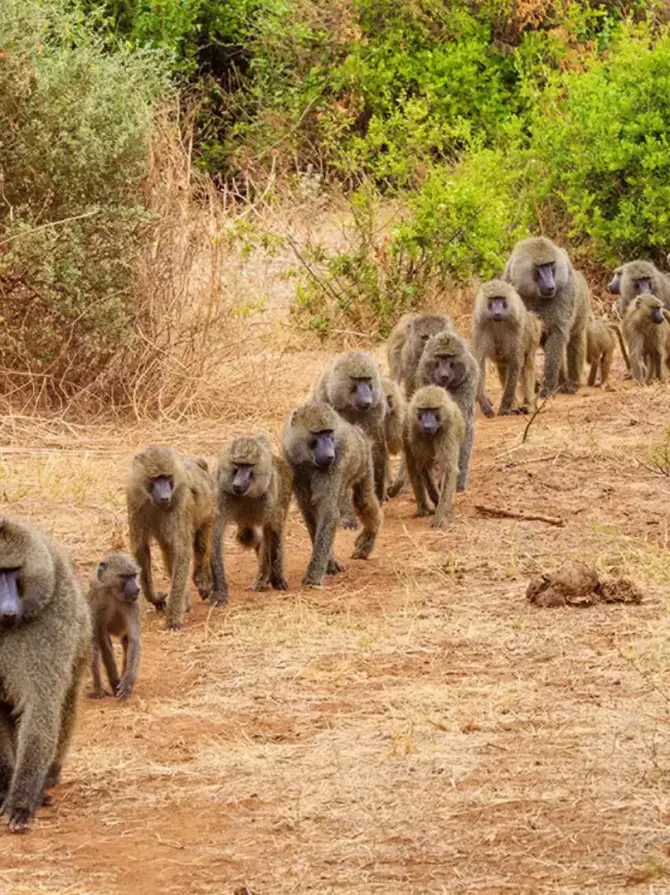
(171, 500)
(545, 279)
(330, 459)
(45, 644)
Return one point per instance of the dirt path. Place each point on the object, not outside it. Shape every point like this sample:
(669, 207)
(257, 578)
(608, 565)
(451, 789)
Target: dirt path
(414, 726)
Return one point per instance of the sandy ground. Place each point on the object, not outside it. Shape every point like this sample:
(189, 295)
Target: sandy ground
(413, 727)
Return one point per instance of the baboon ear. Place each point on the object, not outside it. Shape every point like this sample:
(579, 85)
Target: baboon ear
(100, 570)
(202, 463)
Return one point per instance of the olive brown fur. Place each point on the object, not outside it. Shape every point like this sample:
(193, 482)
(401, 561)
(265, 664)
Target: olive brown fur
(646, 330)
(331, 460)
(171, 500)
(115, 612)
(253, 490)
(45, 647)
(639, 278)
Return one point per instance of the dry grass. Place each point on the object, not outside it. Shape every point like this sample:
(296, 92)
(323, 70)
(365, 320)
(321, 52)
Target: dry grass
(415, 726)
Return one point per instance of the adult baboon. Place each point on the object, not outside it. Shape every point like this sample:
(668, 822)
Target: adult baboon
(433, 435)
(115, 610)
(639, 278)
(647, 333)
(507, 333)
(254, 491)
(171, 500)
(545, 279)
(352, 384)
(45, 644)
(601, 339)
(446, 361)
(394, 345)
(419, 330)
(330, 458)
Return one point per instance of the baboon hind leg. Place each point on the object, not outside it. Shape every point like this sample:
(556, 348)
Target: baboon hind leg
(369, 512)
(202, 560)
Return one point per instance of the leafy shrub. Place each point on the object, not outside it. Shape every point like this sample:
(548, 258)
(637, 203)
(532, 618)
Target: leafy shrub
(74, 123)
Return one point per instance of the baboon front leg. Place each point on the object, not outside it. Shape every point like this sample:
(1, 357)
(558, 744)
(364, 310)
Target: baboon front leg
(447, 490)
(430, 486)
(380, 459)
(306, 508)
(177, 598)
(482, 398)
(528, 382)
(465, 454)
(347, 515)
(36, 747)
(605, 367)
(400, 479)
(142, 554)
(275, 540)
(509, 393)
(574, 352)
(131, 658)
(554, 349)
(369, 512)
(418, 484)
(219, 595)
(6, 752)
(593, 372)
(105, 643)
(324, 537)
(98, 691)
(202, 545)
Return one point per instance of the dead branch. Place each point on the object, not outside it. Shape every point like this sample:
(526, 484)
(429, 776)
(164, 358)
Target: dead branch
(496, 513)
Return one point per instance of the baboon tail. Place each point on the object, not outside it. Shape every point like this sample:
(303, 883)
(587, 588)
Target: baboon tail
(249, 538)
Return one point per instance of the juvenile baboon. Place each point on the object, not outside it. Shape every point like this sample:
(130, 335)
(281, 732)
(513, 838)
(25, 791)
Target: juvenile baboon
(448, 363)
(45, 645)
(601, 339)
(507, 333)
(393, 421)
(647, 333)
(171, 500)
(330, 458)
(115, 610)
(545, 279)
(433, 435)
(254, 491)
(352, 384)
(639, 278)
(419, 329)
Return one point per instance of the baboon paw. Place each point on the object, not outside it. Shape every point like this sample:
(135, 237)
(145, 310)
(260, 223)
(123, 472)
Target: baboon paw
(440, 523)
(124, 691)
(97, 694)
(487, 408)
(173, 624)
(349, 524)
(161, 602)
(362, 553)
(218, 598)
(47, 800)
(279, 583)
(334, 567)
(307, 581)
(422, 513)
(204, 591)
(512, 411)
(259, 586)
(569, 388)
(18, 819)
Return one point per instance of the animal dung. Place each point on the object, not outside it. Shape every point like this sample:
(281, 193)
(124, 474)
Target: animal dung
(576, 584)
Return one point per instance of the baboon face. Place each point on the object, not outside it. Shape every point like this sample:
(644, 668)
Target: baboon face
(428, 419)
(446, 370)
(614, 285)
(423, 328)
(26, 574)
(360, 393)
(159, 473)
(651, 306)
(119, 573)
(322, 448)
(161, 489)
(246, 467)
(498, 309)
(545, 278)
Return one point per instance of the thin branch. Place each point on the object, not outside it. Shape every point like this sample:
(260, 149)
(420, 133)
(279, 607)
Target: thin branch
(76, 217)
(496, 513)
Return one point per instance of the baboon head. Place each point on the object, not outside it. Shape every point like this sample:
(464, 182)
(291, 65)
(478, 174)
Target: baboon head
(354, 382)
(614, 285)
(650, 306)
(538, 268)
(159, 473)
(498, 301)
(310, 436)
(421, 328)
(245, 467)
(117, 573)
(427, 409)
(638, 278)
(27, 575)
(442, 362)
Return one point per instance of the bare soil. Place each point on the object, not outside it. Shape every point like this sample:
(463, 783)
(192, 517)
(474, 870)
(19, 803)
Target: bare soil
(415, 726)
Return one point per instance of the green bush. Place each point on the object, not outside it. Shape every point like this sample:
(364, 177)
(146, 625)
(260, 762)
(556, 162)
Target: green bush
(74, 125)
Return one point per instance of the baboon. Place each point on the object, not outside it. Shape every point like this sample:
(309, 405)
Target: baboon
(505, 331)
(639, 278)
(394, 346)
(433, 435)
(115, 610)
(549, 286)
(171, 500)
(447, 362)
(330, 458)
(420, 328)
(45, 645)
(254, 491)
(601, 339)
(352, 384)
(647, 333)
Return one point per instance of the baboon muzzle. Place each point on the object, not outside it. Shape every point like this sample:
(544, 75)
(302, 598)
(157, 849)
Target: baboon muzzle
(161, 491)
(11, 607)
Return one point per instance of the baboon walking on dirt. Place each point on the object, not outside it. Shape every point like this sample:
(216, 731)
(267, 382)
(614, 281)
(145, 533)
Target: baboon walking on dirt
(171, 500)
(646, 329)
(45, 645)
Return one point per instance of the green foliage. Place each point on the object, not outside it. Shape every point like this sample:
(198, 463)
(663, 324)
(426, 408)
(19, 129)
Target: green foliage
(602, 139)
(74, 120)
